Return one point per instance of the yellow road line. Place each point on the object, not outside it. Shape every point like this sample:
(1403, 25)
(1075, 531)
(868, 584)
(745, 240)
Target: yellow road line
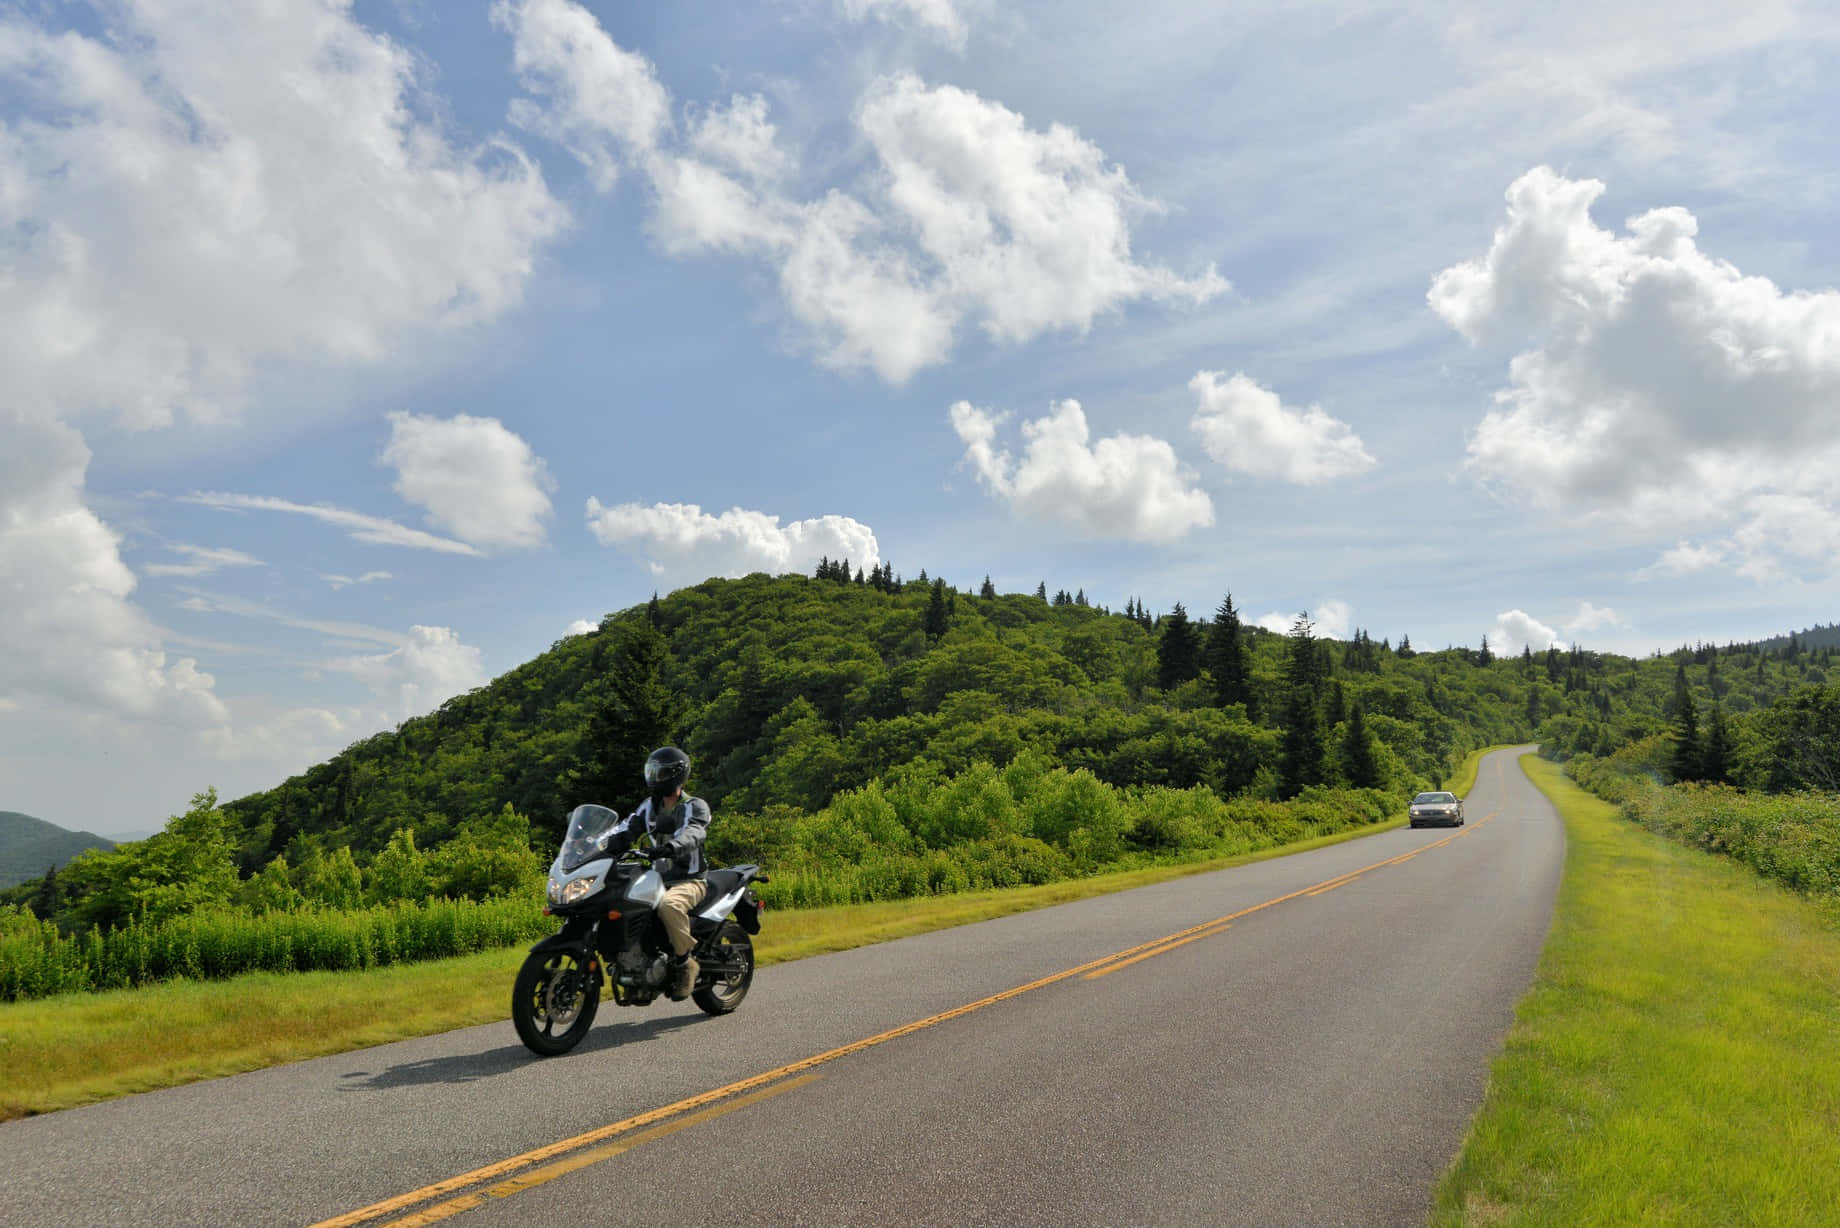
(561, 1168)
(1167, 946)
(1129, 955)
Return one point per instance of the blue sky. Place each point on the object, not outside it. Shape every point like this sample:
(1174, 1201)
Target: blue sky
(356, 353)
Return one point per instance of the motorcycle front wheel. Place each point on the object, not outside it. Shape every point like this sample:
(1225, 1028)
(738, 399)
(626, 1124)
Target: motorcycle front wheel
(731, 964)
(553, 1001)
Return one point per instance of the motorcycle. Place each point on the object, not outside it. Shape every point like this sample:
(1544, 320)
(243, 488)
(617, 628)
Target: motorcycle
(611, 936)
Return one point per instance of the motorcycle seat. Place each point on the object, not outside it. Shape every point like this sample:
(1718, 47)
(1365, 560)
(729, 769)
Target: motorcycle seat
(721, 882)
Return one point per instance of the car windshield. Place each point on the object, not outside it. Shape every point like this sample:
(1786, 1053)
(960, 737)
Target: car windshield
(1434, 799)
(582, 844)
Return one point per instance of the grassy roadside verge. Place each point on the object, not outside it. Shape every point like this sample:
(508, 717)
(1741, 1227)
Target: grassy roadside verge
(1678, 1058)
(80, 1048)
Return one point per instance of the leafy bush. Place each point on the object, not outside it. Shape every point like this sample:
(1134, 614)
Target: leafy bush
(36, 961)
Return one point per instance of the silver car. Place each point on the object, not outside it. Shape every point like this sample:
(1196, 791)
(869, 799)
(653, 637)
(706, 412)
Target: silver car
(1446, 808)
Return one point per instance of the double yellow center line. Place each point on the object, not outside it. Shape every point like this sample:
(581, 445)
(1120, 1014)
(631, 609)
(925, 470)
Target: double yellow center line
(507, 1177)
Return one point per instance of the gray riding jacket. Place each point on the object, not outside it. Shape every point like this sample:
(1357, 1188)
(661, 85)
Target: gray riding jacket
(682, 829)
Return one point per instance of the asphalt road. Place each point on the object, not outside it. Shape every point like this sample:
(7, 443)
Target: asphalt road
(1307, 1048)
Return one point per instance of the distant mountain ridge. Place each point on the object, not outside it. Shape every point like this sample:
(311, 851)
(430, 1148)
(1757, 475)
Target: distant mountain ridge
(1818, 636)
(28, 846)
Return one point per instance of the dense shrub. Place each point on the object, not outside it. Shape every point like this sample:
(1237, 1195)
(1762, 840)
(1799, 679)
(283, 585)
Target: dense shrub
(36, 961)
(1793, 838)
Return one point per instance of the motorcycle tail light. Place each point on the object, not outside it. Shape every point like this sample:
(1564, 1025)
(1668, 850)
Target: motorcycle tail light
(613, 914)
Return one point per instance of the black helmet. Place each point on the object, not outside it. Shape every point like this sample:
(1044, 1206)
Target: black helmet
(665, 769)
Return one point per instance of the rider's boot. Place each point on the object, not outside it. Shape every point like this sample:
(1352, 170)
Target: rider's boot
(683, 977)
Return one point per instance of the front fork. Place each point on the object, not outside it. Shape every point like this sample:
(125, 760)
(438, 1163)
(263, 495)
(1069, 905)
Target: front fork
(577, 936)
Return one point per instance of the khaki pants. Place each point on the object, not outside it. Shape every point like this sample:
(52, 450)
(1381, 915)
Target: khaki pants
(674, 913)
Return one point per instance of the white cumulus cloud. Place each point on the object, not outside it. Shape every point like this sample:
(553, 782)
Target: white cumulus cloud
(1332, 619)
(75, 639)
(1516, 629)
(1125, 487)
(429, 667)
(606, 104)
(1249, 430)
(1595, 618)
(682, 544)
(196, 200)
(1652, 379)
(477, 480)
(199, 189)
(964, 213)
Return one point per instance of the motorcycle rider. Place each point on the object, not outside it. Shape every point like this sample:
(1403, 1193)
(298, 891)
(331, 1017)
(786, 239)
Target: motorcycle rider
(678, 825)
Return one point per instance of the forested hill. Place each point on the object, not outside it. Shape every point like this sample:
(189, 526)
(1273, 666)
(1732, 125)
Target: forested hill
(29, 846)
(787, 690)
(1808, 640)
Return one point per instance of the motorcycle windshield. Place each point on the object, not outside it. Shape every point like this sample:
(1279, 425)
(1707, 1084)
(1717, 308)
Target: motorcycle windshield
(588, 827)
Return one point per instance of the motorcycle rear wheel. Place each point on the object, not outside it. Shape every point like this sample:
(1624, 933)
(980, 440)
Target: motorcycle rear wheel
(723, 994)
(553, 1001)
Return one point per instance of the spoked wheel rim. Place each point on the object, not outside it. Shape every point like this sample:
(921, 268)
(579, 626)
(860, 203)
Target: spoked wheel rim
(554, 1001)
(735, 983)
(723, 993)
(559, 1000)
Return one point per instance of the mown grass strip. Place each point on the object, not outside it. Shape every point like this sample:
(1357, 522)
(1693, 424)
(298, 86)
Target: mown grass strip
(75, 1049)
(1678, 1058)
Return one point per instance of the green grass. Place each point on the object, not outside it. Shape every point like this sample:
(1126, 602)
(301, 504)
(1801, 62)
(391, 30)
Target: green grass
(1678, 1058)
(79, 1048)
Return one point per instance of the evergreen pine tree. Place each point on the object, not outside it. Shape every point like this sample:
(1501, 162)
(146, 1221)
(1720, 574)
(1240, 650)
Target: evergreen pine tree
(1041, 591)
(635, 714)
(49, 897)
(1715, 755)
(1360, 761)
(1485, 655)
(1405, 648)
(936, 617)
(1301, 756)
(1178, 651)
(1226, 660)
(1687, 757)
(987, 589)
(1337, 709)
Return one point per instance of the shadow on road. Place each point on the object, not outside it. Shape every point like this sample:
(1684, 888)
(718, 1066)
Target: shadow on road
(471, 1067)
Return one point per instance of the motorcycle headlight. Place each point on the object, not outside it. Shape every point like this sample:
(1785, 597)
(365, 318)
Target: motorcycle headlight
(555, 891)
(578, 888)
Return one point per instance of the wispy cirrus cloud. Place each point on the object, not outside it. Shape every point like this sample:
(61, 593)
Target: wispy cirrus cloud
(372, 530)
(369, 577)
(204, 561)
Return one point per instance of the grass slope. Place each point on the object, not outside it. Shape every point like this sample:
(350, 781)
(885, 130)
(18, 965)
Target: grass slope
(1678, 1058)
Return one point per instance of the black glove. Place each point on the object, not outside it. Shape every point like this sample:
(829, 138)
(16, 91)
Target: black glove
(661, 852)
